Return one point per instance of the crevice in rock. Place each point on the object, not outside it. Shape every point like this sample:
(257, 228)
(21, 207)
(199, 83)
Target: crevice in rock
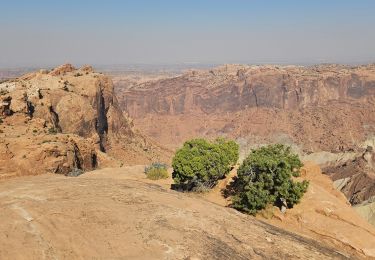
(30, 109)
(255, 96)
(77, 157)
(94, 160)
(40, 95)
(55, 120)
(297, 97)
(101, 122)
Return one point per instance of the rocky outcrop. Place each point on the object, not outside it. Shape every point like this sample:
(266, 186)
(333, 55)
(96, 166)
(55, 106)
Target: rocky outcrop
(356, 177)
(79, 102)
(32, 146)
(62, 70)
(62, 119)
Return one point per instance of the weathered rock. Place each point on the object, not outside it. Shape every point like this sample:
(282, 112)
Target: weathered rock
(42, 110)
(63, 69)
(29, 148)
(355, 177)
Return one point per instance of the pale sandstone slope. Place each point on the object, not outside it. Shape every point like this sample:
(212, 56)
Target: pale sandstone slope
(117, 213)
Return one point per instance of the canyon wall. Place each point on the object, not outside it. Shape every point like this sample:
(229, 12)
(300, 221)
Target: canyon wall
(326, 113)
(233, 88)
(320, 108)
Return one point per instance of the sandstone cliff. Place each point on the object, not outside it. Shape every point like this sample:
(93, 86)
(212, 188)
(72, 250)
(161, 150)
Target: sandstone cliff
(233, 88)
(326, 107)
(63, 120)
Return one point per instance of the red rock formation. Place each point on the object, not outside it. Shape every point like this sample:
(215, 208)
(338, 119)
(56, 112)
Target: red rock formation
(61, 120)
(319, 108)
(235, 88)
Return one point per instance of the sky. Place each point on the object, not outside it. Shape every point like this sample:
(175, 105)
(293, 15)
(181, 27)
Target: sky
(113, 32)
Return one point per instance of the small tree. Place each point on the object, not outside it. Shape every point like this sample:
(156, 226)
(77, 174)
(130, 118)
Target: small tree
(201, 163)
(265, 177)
(229, 150)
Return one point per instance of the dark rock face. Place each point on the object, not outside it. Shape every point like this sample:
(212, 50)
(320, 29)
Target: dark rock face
(55, 120)
(30, 109)
(102, 122)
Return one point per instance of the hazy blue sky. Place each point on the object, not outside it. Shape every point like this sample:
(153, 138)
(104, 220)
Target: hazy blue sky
(207, 31)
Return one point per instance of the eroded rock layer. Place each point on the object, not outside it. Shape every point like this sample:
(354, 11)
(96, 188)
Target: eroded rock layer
(321, 107)
(63, 120)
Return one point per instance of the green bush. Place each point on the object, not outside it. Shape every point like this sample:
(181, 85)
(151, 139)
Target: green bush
(229, 149)
(200, 163)
(156, 171)
(265, 177)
